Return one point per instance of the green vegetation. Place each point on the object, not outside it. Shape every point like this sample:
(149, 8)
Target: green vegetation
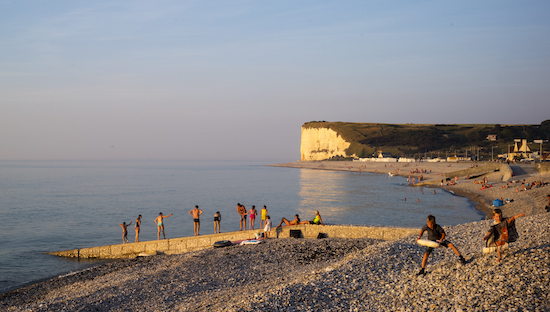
(405, 140)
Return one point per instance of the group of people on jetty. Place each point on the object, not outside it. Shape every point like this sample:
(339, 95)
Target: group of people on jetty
(499, 235)
(265, 222)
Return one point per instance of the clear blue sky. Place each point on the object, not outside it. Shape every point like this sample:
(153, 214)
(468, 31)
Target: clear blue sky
(237, 79)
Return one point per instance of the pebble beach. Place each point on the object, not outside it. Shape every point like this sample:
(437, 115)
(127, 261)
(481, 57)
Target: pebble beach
(327, 274)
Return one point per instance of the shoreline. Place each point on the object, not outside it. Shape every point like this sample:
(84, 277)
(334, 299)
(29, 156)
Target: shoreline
(530, 202)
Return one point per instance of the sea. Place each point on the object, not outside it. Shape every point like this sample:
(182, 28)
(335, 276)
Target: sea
(58, 205)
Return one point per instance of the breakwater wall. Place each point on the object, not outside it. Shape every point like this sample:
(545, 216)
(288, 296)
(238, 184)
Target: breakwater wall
(192, 243)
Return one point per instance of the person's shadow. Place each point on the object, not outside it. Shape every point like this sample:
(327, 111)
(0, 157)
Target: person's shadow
(278, 230)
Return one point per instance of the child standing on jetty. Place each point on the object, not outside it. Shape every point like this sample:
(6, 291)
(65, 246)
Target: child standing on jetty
(267, 227)
(264, 215)
(253, 213)
(437, 234)
(125, 231)
(217, 219)
(503, 231)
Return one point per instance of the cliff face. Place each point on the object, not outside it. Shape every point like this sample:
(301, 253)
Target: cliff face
(321, 144)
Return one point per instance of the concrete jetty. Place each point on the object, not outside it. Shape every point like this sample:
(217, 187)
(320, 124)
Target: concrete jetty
(192, 243)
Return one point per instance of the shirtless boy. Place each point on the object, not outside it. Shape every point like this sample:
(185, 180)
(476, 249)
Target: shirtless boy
(125, 231)
(196, 212)
(160, 224)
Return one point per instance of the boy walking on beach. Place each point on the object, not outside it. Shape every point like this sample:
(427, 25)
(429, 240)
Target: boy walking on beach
(437, 234)
(196, 212)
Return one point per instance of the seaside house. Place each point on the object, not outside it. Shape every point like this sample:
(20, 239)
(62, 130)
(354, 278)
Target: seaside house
(520, 150)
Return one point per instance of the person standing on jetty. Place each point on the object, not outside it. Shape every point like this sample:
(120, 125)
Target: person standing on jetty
(253, 213)
(196, 212)
(264, 215)
(267, 227)
(160, 224)
(217, 219)
(125, 231)
(138, 223)
(241, 210)
(437, 234)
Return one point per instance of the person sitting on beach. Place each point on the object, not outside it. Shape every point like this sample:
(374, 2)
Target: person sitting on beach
(263, 214)
(217, 219)
(267, 227)
(437, 234)
(138, 223)
(296, 221)
(125, 231)
(253, 213)
(160, 224)
(502, 231)
(241, 210)
(196, 212)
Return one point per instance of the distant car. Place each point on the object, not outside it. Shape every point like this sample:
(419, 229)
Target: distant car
(526, 160)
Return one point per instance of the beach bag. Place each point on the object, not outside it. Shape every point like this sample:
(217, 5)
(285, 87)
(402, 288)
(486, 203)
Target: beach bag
(295, 233)
(512, 232)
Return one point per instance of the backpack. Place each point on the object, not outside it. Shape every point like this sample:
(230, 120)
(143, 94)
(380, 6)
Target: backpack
(511, 230)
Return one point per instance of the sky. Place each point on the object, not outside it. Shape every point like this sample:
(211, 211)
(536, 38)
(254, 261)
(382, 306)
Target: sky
(236, 80)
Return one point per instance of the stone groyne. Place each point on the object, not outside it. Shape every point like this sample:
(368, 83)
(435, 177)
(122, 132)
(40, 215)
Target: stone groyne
(193, 243)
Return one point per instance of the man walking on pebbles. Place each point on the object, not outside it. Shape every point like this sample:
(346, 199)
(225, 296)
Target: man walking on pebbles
(437, 234)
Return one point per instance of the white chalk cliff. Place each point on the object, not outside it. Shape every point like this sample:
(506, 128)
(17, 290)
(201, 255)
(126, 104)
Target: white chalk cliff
(322, 143)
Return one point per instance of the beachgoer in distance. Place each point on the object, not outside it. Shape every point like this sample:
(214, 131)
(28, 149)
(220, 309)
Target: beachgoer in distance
(160, 224)
(138, 223)
(264, 215)
(196, 212)
(296, 221)
(500, 230)
(125, 231)
(267, 227)
(435, 233)
(241, 210)
(253, 213)
(217, 219)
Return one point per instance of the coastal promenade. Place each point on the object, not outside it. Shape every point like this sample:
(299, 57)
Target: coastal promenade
(193, 243)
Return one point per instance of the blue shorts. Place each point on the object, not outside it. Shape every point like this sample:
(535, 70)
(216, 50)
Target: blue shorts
(444, 243)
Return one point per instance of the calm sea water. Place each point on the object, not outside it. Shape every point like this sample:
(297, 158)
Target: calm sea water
(57, 205)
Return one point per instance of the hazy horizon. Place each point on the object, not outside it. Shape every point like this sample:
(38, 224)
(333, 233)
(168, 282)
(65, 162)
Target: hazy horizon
(187, 80)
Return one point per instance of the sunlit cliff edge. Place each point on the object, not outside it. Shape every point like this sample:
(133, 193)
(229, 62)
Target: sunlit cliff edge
(322, 140)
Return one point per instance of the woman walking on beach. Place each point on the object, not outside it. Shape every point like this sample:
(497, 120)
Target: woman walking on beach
(138, 223)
